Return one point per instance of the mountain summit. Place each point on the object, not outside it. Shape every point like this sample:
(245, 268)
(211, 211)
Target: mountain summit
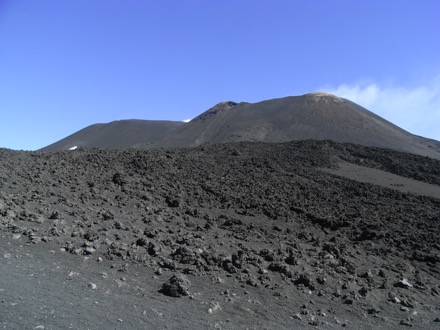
(317, 116)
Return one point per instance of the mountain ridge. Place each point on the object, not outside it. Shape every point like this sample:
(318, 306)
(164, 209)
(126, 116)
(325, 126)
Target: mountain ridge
(319, 116)
(131, 133)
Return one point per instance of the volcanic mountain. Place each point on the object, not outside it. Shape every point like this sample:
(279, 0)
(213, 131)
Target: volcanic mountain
(239, 231)
(317, 116)
(117, 134)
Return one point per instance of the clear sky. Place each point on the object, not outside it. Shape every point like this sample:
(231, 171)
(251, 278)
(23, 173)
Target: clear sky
(67, 64)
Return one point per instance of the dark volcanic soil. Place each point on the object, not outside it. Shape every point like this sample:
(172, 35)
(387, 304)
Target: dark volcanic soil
(231, 236)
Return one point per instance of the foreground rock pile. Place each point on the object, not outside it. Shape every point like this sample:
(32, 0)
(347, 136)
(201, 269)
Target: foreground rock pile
(264, 215)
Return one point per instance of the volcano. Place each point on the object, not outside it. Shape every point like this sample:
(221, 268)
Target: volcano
(220, 223)
(317, 116)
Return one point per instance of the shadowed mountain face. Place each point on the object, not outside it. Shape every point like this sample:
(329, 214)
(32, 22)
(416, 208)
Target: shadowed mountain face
(318, 116)
(117, 135)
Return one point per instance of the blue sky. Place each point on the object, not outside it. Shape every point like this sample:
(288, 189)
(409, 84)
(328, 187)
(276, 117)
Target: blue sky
(67, 64)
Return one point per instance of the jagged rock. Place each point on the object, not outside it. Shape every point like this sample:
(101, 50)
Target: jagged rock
(117, 179)
(406, 322)
(229, 267)
(270, 221)
(88, 250)
(141, 242)
(91, 235)
(177, 286)
(403, 283)
(172, 201)
(306, 280)
(280, 268)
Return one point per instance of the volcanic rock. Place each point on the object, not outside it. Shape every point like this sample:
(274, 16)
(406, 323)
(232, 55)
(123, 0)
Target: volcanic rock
(177, 286)
(260, 228)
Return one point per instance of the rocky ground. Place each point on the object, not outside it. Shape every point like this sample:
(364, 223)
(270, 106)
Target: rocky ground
(231, 236)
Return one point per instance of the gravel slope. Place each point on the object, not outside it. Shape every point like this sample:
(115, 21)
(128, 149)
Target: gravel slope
(245, 235)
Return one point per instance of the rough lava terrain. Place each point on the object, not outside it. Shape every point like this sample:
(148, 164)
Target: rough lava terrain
(305, 234)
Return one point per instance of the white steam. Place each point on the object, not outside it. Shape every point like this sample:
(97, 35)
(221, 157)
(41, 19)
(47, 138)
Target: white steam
(416, 109)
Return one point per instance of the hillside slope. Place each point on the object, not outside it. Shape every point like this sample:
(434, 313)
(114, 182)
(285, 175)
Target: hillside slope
(117, 134)
(317, 116)
(232, 236)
